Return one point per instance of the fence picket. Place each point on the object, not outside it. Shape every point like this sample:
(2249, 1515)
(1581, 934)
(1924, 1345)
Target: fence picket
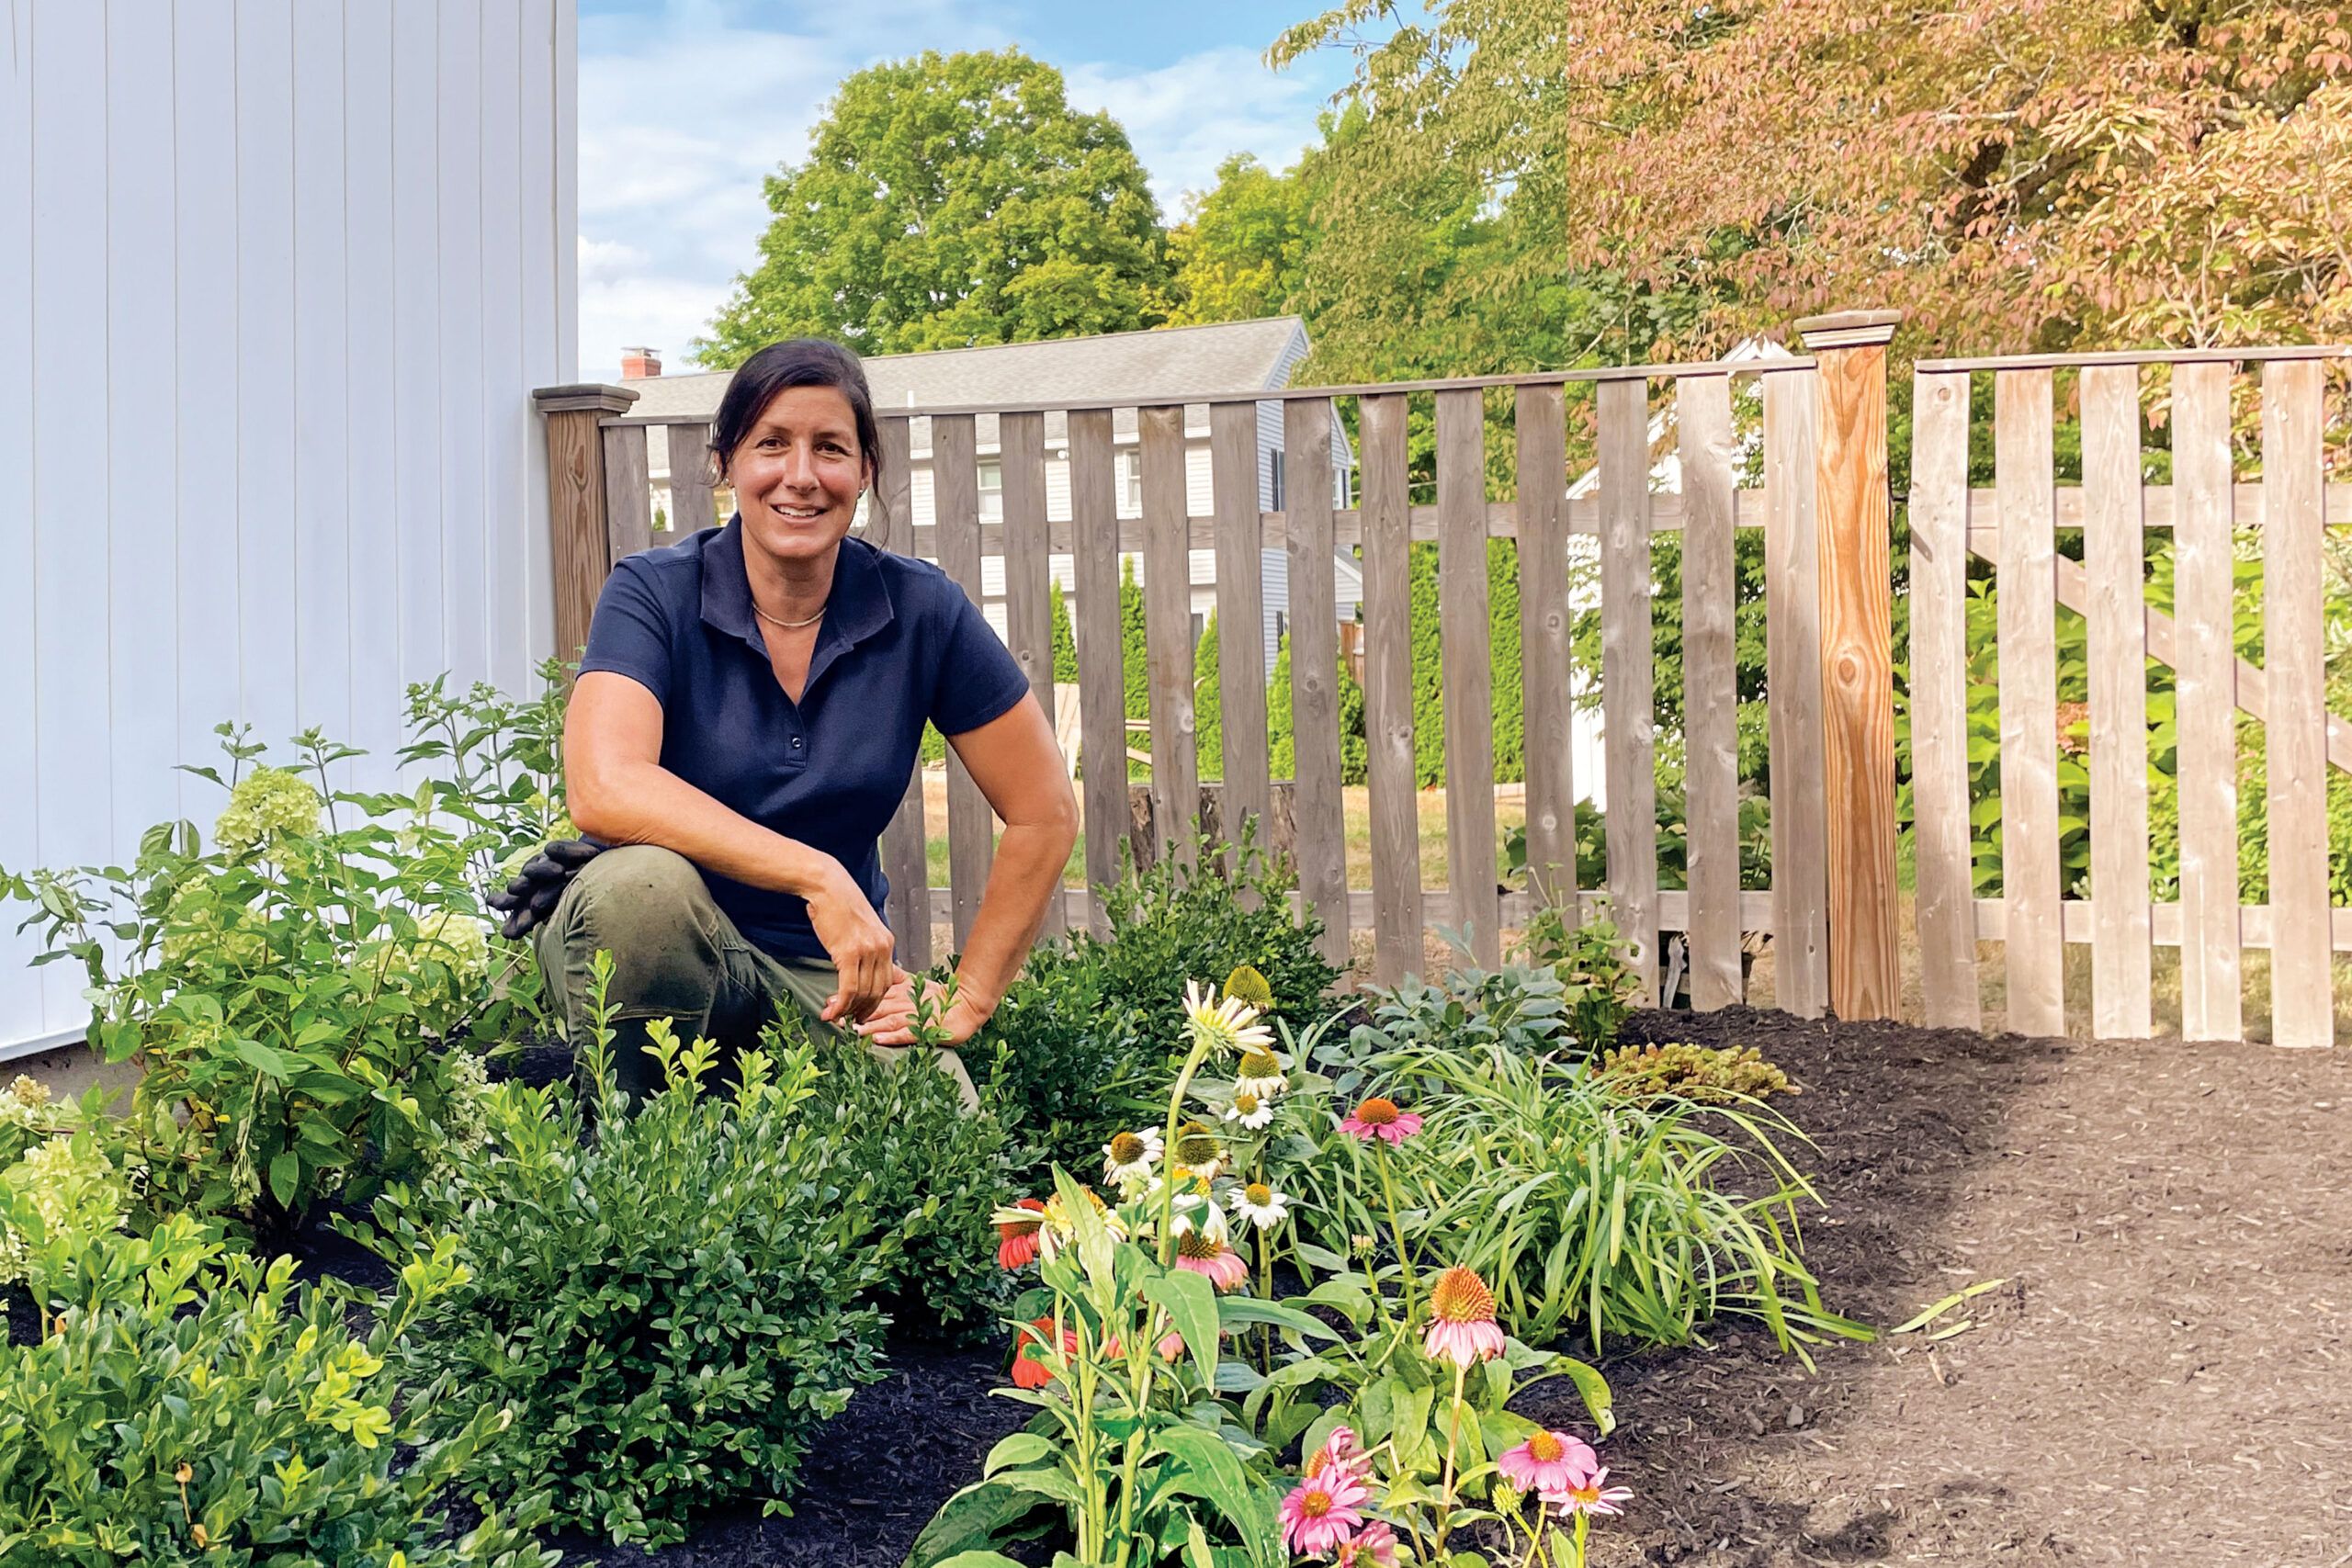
(628, 504)
(1938, 690)
(1028, 584)
(1710, 688)
(1627, 703)
(1168, 631)
(956, 505)
(1102, 684)
(691, 506)
(2294, 639)
(906, 863)
(1546, 687)
(2204, 592)
(2115, 558)
(1319, 813)
(2027, 584)
(1464, 636)
(1792, 672)
(1240, 617)
(1389, 693)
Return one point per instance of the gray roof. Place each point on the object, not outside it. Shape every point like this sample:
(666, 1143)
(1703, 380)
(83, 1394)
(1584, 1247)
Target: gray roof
(1230, 356)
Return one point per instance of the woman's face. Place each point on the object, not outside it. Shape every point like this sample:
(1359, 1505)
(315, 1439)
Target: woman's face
(798, 474)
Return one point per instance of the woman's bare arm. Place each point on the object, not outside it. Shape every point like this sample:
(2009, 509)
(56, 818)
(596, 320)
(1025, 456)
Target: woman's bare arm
(620, 794)
(1019, 768)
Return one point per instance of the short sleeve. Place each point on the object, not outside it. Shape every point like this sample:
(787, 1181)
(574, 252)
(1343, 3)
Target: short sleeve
(979, 679)
(629, 634)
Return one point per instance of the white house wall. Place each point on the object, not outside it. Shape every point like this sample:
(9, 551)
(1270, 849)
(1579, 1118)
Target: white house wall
(276, 279)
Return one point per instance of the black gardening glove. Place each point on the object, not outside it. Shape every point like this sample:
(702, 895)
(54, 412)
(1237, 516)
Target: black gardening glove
(532, 896)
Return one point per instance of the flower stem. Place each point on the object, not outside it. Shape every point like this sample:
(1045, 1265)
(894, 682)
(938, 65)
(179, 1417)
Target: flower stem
(1397, 1230)
(1192, 1060)
(1453, 1441)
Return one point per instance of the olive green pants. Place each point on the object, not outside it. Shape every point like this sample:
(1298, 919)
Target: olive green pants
(677, 955)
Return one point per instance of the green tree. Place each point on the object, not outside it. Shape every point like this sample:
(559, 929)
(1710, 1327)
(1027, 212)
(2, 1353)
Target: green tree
(946, 201)
(1242, 252)
(1503, 664)
(1065, 642)
(1282, 729)
(1209, 704)
(1134, 652)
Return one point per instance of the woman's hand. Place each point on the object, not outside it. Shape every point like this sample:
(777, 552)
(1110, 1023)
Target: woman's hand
(955, 1014)
(858, 943)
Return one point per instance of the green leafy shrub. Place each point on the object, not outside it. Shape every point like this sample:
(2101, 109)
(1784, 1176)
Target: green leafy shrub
(1597, 984)
(935, 1172)
(298, 996)
(669, 1298)
(1709, 1075)
(189, 1407)
(1056, 1052)
(1171, 921)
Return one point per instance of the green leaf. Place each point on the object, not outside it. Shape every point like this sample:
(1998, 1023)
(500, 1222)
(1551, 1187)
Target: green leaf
(1021, 1448)
(285, 1176)
(978, 1559)
(1234, 1311)
(1593, 1388)
(1212, 1471)
(1191, 1304)
(265, 1058)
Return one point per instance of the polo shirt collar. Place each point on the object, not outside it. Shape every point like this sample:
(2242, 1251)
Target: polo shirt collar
(858, 608)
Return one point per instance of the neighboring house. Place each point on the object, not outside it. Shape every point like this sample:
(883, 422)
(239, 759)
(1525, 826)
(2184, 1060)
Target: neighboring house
(276, 283)
(1588, 756)
(1145, 365)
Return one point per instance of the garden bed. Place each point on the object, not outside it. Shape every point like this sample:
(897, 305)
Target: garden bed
(2164, 1370)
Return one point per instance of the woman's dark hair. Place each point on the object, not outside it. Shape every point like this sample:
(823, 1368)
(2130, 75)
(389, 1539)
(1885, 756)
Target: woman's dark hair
(800, 362)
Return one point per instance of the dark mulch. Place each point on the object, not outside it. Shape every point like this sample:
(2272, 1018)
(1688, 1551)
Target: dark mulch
(2166, 1374)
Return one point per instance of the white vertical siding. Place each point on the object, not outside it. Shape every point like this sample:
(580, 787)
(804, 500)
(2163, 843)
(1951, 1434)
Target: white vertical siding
(276, 277)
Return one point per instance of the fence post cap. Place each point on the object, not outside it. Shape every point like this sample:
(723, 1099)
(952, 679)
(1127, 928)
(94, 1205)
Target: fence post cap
(591, 397)
(1847, 329)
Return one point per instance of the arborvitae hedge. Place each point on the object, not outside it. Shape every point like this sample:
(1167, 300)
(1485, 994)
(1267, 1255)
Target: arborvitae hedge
(1209, 704)
(1503, 652)
(1280, 731)
(1065, 643)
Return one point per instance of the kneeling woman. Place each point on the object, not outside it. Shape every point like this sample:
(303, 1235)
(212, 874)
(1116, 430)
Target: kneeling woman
(748, 714)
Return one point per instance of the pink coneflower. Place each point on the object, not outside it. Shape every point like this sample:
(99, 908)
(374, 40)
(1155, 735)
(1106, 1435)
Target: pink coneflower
(1206, 1254)
(1016, 1245)
(1462, 1320)
(1379, 1118)
(1587, 1495)
(1170, 1345)
(1375, 1544)
(1320, 1514)
(1341, 1458)
(1547, 1463)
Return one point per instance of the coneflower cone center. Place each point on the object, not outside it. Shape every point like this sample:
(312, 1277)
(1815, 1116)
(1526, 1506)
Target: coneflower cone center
(1126, 1148)
(1196, 1148)
(1546, 1448)
(1193, 1244)
(1258, 1192)
(1260, 1065)
(1246, 1103)
(1316, 1504)
(1377, 1112)
(1460, 1296)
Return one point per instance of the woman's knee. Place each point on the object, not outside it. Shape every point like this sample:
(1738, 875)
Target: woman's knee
(649, 909)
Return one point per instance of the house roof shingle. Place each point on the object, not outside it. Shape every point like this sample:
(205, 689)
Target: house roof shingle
(1229, 356)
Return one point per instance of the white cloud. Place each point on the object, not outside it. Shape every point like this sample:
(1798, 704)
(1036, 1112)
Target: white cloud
(684, 112)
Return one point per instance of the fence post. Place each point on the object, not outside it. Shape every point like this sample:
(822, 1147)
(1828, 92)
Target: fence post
(1856, 671)
(582, 551)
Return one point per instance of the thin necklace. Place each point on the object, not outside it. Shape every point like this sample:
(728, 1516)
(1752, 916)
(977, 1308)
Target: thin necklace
(788, 625)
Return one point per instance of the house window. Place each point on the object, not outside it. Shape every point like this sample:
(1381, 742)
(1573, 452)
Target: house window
(991, 492)
(1131, 484)
(1199, 629)
(1274, 480)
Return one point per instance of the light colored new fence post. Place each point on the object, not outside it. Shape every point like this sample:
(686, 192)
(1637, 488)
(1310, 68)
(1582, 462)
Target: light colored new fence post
(1856, 671)
(582, 553)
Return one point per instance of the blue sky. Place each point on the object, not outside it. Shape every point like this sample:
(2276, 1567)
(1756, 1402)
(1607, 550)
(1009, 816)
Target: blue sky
(685, 104)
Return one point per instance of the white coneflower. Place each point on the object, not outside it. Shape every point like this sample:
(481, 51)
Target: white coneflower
(1259, 1204)
(1199, 1150)
(1230, 1024)
(1129, 1157)
(1194, 1212)
(1263, 1074)
(1249, 1111)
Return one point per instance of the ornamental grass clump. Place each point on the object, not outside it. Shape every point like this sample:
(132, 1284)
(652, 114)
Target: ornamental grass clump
(672, 1300)
(185, 1406)
(1708, 1075)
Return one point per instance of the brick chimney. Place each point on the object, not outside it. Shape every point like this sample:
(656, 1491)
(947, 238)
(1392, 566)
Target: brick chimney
(641, 364)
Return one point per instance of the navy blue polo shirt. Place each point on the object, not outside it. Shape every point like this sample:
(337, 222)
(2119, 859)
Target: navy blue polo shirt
(901, 643)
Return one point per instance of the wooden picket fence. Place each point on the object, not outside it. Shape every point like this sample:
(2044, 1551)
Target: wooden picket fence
(1833, 908)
